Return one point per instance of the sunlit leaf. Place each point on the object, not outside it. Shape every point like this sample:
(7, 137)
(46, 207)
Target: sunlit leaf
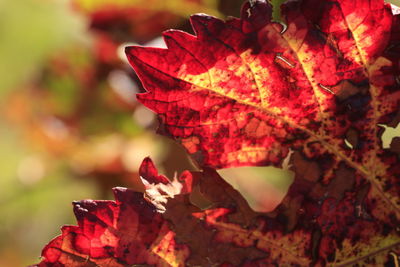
(163, 228)
(246, 92)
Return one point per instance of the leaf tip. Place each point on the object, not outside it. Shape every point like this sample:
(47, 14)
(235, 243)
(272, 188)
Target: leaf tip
(255, 14)
(149, 173)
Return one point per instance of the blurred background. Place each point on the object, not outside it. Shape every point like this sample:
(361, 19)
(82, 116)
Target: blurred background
(70, 125)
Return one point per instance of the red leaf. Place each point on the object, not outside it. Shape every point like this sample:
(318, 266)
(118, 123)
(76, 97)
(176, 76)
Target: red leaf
(131, 230)
(237, 95)
(233, 97)
(247, 91)
(115, 233)
(243, 93)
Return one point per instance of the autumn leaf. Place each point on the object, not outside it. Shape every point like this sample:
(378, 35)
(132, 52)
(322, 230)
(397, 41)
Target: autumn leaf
(315, 91)
(131, 230)
(134, 230)
(247, 91)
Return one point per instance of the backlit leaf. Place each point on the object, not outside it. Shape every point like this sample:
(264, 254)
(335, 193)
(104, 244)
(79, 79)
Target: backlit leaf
(316, 94)
(131, 230)
(247, 92)
(135, 230)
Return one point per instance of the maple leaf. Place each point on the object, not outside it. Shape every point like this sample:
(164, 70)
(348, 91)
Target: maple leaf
(246, 92)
